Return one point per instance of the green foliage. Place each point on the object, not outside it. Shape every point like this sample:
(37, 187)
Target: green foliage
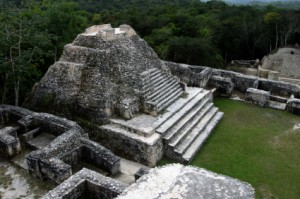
(32, 36)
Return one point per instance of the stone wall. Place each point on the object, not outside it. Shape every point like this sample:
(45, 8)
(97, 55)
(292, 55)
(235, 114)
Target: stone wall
(191, 75)
(293, 105)
(87, 184)
(147, 151)
(224, 85)
(259, 97)
(279, 88)
(56, 159)
(228, 81)
(9, 142)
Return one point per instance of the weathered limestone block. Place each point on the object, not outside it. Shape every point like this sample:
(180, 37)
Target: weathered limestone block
(98, 155)
(9, 142)
(259, 97)
(55, 170)
(129, 107)
(273, 75)
(78, 54)
(293, 105)
(191, 75)
(279, 88)
(224, 85)
(87, 184)
(178, 181)
(142, 171)
(241, 82)
(11, 114)
(204, 77)
(145, 150)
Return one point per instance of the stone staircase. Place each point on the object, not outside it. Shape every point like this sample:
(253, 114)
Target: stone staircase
(190, 123)
(159, 90)
(184, 126)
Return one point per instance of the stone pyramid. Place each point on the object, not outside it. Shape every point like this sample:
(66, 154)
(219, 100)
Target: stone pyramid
(111, 81)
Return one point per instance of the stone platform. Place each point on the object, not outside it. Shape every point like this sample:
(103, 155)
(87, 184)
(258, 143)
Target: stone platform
(183, 127)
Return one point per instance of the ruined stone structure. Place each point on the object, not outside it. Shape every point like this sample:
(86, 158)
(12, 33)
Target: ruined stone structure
(87, 184)
(126, 99)
(275, 94)
(51, 146)
(117, 88)
(247, 67)
(171, 181)
(283, 65)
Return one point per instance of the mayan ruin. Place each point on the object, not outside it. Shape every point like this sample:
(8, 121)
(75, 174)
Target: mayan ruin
(110, 102)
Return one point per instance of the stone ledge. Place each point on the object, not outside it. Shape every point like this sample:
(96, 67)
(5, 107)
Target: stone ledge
(259, 97)
(87, 183)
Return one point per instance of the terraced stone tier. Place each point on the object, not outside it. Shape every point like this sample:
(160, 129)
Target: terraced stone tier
(184, 126)
(159, 90)
(187, 129)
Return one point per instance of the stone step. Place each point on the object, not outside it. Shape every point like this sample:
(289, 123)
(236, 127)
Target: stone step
(169, 99)
(181, 110)
(200, 140)
(131, 128)
(119, 131)
(184, 144)
(164, 93)
(149, 73)
(186, 119)
(151, 78)
(174, 110)
(162, 87)
(180, 136)
(153, 83)
(153, 87)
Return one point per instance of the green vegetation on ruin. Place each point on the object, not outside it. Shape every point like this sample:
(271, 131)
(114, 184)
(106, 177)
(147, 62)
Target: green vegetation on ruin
(256, 145)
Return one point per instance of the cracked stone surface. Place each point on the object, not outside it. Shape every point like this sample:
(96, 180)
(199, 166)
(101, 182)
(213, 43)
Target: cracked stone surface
(178, 181)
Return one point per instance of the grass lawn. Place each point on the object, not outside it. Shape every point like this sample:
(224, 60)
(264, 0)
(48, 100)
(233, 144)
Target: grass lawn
(256, 145)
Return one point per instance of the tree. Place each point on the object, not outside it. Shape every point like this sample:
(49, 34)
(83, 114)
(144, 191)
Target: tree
(290, 26)
(24, 38)
(65, 22)
(273, 18)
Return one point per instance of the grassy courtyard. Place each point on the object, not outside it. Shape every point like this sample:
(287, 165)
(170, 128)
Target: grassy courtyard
(256, 145)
